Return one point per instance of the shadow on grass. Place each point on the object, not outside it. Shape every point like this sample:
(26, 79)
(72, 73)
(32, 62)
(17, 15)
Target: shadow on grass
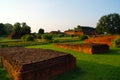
(91, 71)
(113, 51)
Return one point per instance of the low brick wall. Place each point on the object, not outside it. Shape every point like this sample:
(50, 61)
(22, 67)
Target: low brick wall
(102, 40)
(89, 48)
(35, 64)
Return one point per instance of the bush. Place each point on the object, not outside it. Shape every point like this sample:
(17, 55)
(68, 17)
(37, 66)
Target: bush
(83, 37)
(60, 35)
(47, 37)
(39, 36)
(56, 41)
(27, 38)
(116, 42)
(57, 35)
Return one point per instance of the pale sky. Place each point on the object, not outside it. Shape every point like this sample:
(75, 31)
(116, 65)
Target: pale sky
(56, 14)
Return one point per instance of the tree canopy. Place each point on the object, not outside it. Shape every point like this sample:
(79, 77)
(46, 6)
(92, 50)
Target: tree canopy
(41, 31)
(8, 28)
(109, 23)
(78, 28)
(17, 27)
(2, 31)
(25, 29)
(22, 28)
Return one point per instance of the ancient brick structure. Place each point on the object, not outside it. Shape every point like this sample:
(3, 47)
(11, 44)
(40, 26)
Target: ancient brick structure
(56, 32)
(35, 64)
(86, 48)
(73, 32)
(102, 40)
(84, 30)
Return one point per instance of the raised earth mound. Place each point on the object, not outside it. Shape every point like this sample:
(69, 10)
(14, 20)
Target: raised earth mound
(35, 64)
(88, 48)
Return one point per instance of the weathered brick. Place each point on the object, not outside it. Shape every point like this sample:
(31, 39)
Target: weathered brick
(89, 48)
(35, 64)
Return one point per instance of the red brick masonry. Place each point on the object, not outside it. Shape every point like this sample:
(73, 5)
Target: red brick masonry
(35, 64)
(103, 40)
(89, 48)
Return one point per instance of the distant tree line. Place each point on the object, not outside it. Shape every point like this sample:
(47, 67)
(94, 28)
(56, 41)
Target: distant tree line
(17, 28)
(109, 24)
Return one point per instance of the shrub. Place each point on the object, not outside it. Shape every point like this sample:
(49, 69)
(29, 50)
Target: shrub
(60, 35)
(39, 36)
(47, 36)
(27, 38)
(56, 41)
(83, 37)
(72, 35)
(116, 42)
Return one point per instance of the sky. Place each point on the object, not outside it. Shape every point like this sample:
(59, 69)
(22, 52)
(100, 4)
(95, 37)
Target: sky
(53, 15)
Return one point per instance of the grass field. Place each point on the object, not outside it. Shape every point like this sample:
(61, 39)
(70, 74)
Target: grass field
(3, 74)
(89, 67)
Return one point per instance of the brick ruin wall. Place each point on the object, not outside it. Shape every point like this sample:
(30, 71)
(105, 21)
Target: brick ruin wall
(85, 48)
(102, 40)
(40, 70)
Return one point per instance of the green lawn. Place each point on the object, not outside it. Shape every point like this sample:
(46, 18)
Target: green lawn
(67, 39)
(3, 74)
(89, 67)
(6, 40)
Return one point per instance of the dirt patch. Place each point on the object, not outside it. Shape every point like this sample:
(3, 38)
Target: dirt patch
(35, 64)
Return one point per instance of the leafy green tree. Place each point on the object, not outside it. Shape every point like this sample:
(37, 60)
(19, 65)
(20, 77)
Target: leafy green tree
(25, 29)
(17, 28)
(27, 37)
(78, 28)
(109, 23)
(8, 28)
(2, 31)
(41, 31)
(47, 37)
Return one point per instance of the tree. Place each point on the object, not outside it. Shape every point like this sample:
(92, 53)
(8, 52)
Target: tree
(2, 31)
(41, 31)
(25, 29)
(8, 28)
(109, 23)
(78, 28)
(16, 34)
(17, 28)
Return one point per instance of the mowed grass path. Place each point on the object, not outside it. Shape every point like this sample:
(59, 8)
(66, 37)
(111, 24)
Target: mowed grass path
(104, 66)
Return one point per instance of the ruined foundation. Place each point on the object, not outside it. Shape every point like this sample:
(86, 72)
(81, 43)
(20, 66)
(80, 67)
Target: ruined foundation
(35, 64)
(88, 48)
